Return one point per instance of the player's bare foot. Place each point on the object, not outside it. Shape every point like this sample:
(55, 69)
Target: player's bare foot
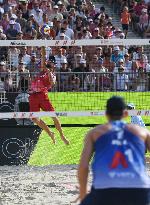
(52, 135)
(65, 140)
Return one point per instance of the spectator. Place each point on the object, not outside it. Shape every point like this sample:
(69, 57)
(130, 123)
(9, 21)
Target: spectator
(121, 80)
(141, 81)
(125, 20)
(22, 21)
(33, 66)
(68, 31)
(116, 56)
(143, 22)
(5, 78)
(96, 34)
(94, 64)
(11, 32)
(5, 21)
(59, 58)
(107, 63)
(62, 36)
(64, 76)
(26, 57)
(2, 35)
(56, 14)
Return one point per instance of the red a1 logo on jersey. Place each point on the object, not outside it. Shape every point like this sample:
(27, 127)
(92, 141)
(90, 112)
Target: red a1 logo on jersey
(119, 158)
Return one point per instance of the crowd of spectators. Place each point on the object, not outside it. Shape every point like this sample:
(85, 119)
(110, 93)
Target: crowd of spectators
(139, 11)
(119, 68)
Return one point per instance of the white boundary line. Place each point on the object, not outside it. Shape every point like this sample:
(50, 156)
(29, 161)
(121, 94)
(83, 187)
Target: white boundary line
(9, 115)
(83, 42)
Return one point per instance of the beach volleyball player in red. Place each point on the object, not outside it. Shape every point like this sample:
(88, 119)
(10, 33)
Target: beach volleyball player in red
(39, 86)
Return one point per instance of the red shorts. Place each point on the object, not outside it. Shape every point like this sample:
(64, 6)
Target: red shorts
(39, 101)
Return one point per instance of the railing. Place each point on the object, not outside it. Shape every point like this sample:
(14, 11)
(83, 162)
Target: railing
(79, 82)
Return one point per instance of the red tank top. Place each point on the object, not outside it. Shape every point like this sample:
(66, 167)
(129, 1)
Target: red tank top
(41, 83)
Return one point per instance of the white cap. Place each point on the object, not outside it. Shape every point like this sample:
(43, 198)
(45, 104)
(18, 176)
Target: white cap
(83, 61)
(64, 61)
(116, 48)
(50, 24)
(121, 60)
(90, 20)
(2, 63)
(55, 7)
(13, 16)
(130, 106)
(31, 14)
(59, 3)
(144, 10)
(1, 30)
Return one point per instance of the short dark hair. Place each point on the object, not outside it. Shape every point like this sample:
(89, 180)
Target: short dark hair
(115, 106)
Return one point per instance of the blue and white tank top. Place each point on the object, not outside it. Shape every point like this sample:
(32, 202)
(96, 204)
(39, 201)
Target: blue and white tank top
(119, 160)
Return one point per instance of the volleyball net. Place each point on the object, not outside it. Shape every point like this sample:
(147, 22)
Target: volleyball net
(88, 72)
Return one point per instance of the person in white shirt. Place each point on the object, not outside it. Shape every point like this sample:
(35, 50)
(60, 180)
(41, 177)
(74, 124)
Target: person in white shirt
(68, 31)
(135, 119)
(26, 58)
(59, 58)
(121, 80)
(34, 10)
(38, 16)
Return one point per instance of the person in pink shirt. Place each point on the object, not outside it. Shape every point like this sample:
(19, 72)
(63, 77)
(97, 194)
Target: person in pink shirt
(143, 22)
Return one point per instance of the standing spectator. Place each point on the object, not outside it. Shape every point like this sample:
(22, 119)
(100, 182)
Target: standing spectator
(125, 20)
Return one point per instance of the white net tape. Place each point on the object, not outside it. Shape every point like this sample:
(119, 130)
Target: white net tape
(10, 115)
(84, 42)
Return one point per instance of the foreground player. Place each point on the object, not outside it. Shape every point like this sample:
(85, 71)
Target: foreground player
(39, 97)
(119, 175)
(135, 119)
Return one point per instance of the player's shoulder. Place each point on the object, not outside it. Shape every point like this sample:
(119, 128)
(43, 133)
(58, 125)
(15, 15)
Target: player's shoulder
(137, 130)
(98, 131)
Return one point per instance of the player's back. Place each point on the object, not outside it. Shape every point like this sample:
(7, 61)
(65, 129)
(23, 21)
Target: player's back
(119, 156)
